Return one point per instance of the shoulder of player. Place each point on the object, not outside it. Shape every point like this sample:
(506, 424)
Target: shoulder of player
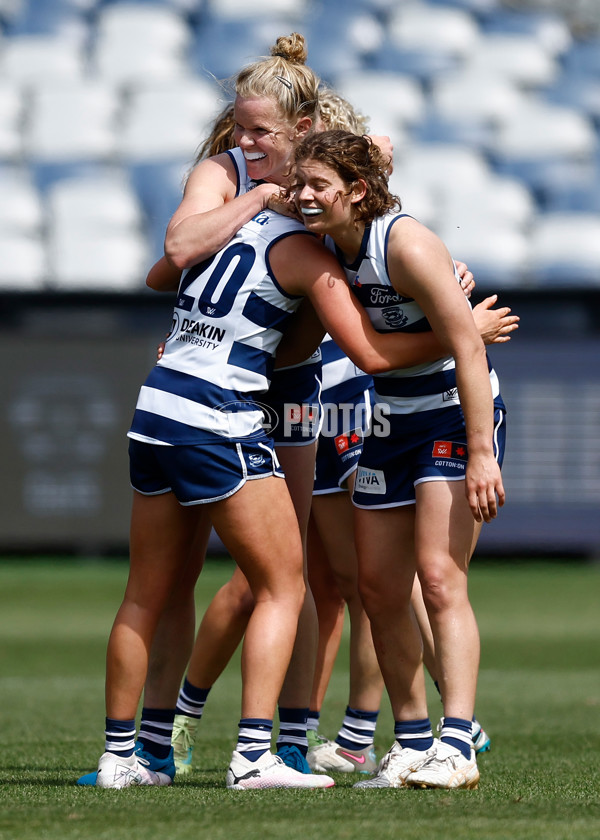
(410, 242)
(217, 172)
(298, 258)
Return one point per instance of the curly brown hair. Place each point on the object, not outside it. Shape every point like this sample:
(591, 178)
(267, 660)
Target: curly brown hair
(353, 157)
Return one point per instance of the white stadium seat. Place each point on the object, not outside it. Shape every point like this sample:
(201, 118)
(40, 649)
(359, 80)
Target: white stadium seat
(101, 203)
(30, 58)
(72, 120)
(24, 265)
(537, 130)
(168, 120)
(496, 254)
(95, 236)
(109, 262)
(442, 167)
(21, 210)
(464, 96)
(517, 57)
(391, 103)
(236, 9)
(140, 43)
(12, 109)
(565, 247)
(416, 25)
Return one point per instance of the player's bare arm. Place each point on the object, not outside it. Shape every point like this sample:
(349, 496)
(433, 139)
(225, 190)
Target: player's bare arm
(420, 267)
(303, 266)
(209, 214)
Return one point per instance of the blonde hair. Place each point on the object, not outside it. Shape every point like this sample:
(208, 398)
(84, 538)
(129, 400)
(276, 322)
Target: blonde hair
(284, 78)
(337, 113)
(220, 138)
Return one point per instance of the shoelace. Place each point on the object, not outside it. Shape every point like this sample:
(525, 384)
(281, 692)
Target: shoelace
(185, 734)
(434, 760)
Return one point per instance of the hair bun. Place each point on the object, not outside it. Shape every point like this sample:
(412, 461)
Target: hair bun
(291, 48)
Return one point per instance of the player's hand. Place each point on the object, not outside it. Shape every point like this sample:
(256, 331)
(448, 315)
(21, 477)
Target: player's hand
(387, 148)
(467, 281)
(160, 350)
(483, 486)
(282, 202)
(494, 325)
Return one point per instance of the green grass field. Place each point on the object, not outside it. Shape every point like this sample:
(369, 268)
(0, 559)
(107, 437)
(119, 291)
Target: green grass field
(539, 698)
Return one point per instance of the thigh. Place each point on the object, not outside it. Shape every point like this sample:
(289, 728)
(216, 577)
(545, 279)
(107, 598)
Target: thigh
(334, 519)
(160, 537)
(298, 463)
(186, 581)
(259, 528)
(385, 547)
(446, 532)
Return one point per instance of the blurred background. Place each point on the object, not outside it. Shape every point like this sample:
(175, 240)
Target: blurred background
(494, 111)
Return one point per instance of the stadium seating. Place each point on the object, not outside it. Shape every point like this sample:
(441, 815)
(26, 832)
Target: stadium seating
(168, 119)
(23, 265)
(71, 120)
(392, 103)
(136, 42)
(565, 248)
(95, 234)
(493, 110)
(11, 114)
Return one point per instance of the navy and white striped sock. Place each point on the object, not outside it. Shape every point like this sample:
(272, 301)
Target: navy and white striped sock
(358, 729)
(156, 728)
(292, 729)
(120, 737)
(312, 721)
(458, 732)
(414, 734)
(254, 737)
(191, 700)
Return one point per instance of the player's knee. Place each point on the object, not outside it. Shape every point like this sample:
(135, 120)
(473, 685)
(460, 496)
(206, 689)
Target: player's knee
(439, 593)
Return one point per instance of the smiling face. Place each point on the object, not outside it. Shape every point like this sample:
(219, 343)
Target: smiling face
(264, 137)
(323, 198)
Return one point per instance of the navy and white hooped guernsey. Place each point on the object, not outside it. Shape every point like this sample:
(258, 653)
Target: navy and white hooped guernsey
(408, 390)
(218, 359)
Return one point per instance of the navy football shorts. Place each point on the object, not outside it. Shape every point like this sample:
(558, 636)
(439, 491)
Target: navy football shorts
(202, 473)
(427, 446)
(341, 442)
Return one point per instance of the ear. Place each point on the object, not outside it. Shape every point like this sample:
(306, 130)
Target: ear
(358, 191)
(302, 128)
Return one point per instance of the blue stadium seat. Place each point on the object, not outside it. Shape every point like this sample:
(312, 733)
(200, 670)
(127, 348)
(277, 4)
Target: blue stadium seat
(565, 250)
(583, 58)
(576, 90)
(159, 187)
(41, 17)
(425, 66)
(426, 41)
(222, 47)
(546, 28)
(476, 133)
(342, 43)
(47, 173)
(479, 8)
